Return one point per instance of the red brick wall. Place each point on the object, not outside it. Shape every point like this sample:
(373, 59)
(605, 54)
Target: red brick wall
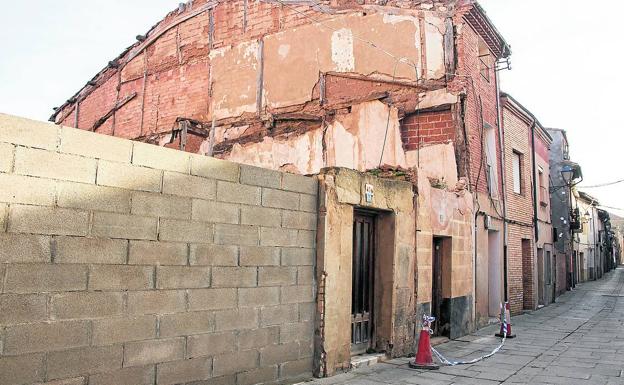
(427, 128)
(178, 69)
(469, 79)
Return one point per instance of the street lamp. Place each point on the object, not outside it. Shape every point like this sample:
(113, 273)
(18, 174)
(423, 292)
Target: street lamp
(567, 173)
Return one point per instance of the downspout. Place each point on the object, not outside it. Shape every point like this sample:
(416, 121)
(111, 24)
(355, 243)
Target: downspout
(504, 184)
(535, 221)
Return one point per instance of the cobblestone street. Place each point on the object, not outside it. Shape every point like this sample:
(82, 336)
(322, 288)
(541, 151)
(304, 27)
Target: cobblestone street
(578, 340)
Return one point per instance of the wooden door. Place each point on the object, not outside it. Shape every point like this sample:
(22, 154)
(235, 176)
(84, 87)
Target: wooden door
(362, 283)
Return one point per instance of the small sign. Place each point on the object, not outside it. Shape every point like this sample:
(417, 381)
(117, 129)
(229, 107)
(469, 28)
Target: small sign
(369, 193)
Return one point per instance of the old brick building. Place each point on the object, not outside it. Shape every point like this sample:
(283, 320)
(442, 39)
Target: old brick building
(529, 239)
(301, 86)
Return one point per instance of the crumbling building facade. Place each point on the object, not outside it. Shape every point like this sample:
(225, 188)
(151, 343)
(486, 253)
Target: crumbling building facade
(405, 90)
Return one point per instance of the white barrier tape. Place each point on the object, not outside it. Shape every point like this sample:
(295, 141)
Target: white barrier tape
(446, 361)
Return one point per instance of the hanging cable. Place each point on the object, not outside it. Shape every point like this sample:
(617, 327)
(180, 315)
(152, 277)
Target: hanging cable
(604, 184)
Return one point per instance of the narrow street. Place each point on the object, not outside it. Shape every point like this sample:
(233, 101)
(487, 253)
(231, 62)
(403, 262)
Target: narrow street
(578, 340)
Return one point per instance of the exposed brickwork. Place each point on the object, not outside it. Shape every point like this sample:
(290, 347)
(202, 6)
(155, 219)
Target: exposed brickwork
(427, 128)
(155, 264)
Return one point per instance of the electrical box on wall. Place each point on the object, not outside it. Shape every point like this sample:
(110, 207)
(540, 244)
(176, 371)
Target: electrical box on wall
(487, 222)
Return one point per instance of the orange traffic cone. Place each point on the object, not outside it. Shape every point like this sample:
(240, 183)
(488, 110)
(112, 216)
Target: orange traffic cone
(423, 359)
(505, 330)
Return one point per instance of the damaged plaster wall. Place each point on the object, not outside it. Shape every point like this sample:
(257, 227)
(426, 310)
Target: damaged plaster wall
(353, 140)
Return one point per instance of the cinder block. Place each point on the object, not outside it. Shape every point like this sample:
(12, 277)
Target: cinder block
(238, 193)
(307, 312)
(298, 368)
(116, 330)
(84, 360)
(189, 186)
(300, 184)
(27, 190)
(19, 130)
(185, 231)
(280, 199)
(110, 225)
(277, 315)
(184, 324)
(121, 277)
(15, 309)
(276, 354)
(23, 369)
(216, 212)
(234, 276)
(6, 157)
(209, 167)
(81, 142)
(299, 220)
(260, 176)
(259, 256)
(163, 158)
(297, 294)
(212, 299)
(261, 216)
(214, 255)
(255, 376)
(244, 318)
(235, 362)
(271, 236)
(45, 337)
(24, 248)
(158, 205)
(36, 278)
(305, 275)
(212, 344)
(308, 203)
(298, 257)
(156, 302)
(47, 164)
(90, 250)
(186, 371)
(139, 375)
(128, 177)
(295, 332)
(258, 338)
(182, 277)
(153, 351)
(258, 296)
(277, 276)
(93, 197)
(47, 220)
(306, 239)
(157, 253)
(236, 235)
(85, 305)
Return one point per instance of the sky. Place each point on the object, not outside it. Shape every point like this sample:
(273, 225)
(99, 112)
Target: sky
(564, 65)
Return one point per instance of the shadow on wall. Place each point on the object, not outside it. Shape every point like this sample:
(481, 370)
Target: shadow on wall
(126, 263)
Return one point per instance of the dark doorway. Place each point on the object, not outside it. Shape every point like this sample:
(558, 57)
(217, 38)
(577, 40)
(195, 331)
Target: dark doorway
(440, 286)
(527, 275)
(363, 273)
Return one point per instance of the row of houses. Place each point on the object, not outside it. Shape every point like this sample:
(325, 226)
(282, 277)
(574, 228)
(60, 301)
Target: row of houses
(438, 193)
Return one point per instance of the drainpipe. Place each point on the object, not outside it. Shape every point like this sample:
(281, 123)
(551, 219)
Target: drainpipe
(503, 181)
(535, 221)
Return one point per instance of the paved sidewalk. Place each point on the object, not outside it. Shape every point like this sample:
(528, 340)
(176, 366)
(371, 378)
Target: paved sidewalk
(578, 340)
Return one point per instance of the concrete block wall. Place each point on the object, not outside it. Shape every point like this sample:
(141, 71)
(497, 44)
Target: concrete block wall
(127, 263)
